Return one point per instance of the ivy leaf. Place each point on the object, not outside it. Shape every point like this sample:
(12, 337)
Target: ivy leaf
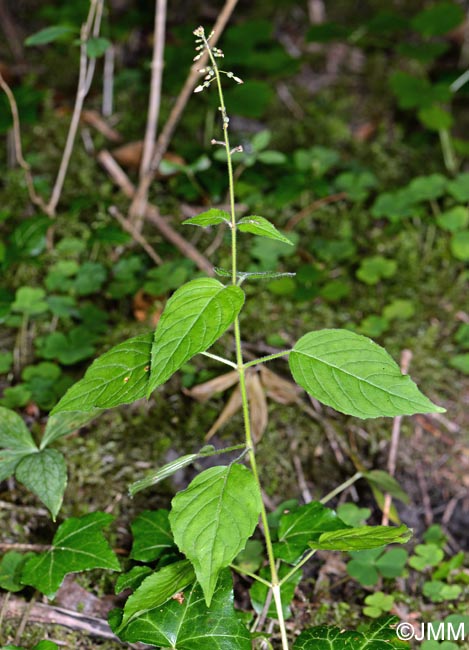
(194, 318)
(15, 442)
(64, 423)
(157, 589)
(364, 537)
(262, 227)
(212, 217)
(152, 535)
(190, 624)
(45, 474)
(296, 529)
(119, 376)
(378, 635)
(213, 518)
(355, 376)
(78, 545)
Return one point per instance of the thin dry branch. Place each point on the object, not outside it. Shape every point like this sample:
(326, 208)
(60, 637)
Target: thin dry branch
(406, 358)
(152, 213)
(34, 197)
(85, 77)
(11, 31)
(154, 101)
(177, 110)
(137, 236)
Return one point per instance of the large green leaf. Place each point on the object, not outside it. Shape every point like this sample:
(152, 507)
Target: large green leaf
(190, 624)
(377, 635)
(117, 377)
(15, 442)
(213, 518)
(156, 590)
(64, 423)
(364, 537)
(45, 474)
(262, 227)
(78, 545)
(152, 535)
(194, 318)
(296, 529)
(355, 376)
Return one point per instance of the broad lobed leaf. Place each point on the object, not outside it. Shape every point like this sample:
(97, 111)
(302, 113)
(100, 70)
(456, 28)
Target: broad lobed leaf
(377, 635)
(355, 376)
(190, 624)
(213, 518)
(194, 318)
(78, 545)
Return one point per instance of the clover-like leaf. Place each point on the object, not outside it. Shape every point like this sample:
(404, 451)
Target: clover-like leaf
(195, 316)
(45, 474)
(213, 518)
(364, 537)
(262, 227)
(186, 623)
(354, 375)
(78, 545)
(212, 217)
(119, 376)
(152, 535)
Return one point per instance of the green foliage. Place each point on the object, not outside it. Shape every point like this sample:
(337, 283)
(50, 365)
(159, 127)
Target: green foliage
(361, 538)
(152, 535)
(377, 604)
(211, 532)
(378, 634)
(367, 566)
(78, 545)
(49, 35)
(45, 474)
(190, 624)
(194, 318)
(262, 227)
(426, 555)
(339, 368)
(374, 269)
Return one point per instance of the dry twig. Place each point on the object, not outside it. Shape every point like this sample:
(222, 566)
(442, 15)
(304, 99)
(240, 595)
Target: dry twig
(137, 236)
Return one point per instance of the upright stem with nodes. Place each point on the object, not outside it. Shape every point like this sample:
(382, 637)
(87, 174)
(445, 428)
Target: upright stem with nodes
(212, 73)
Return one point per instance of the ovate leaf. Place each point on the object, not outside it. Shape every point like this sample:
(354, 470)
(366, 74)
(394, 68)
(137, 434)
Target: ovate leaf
(78, 545)
(213, 518)
(297, 528)
(45, 474)
(48, 35)
(187, 623)
(117, 377)
(156, 590)
(10, 570)
(194, 318)
(355, 376)
(357, 539)
(262, 227)
(152, 535)
(212, 217)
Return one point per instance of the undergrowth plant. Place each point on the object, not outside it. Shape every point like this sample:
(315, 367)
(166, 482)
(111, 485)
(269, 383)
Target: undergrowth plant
(184, 599)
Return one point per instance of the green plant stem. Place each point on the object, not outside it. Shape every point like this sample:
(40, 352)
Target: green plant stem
(340, 488)
(298, 566)
(269, 357)
(241, 367)
(449, 156)
(243, 572)
(215, 357)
